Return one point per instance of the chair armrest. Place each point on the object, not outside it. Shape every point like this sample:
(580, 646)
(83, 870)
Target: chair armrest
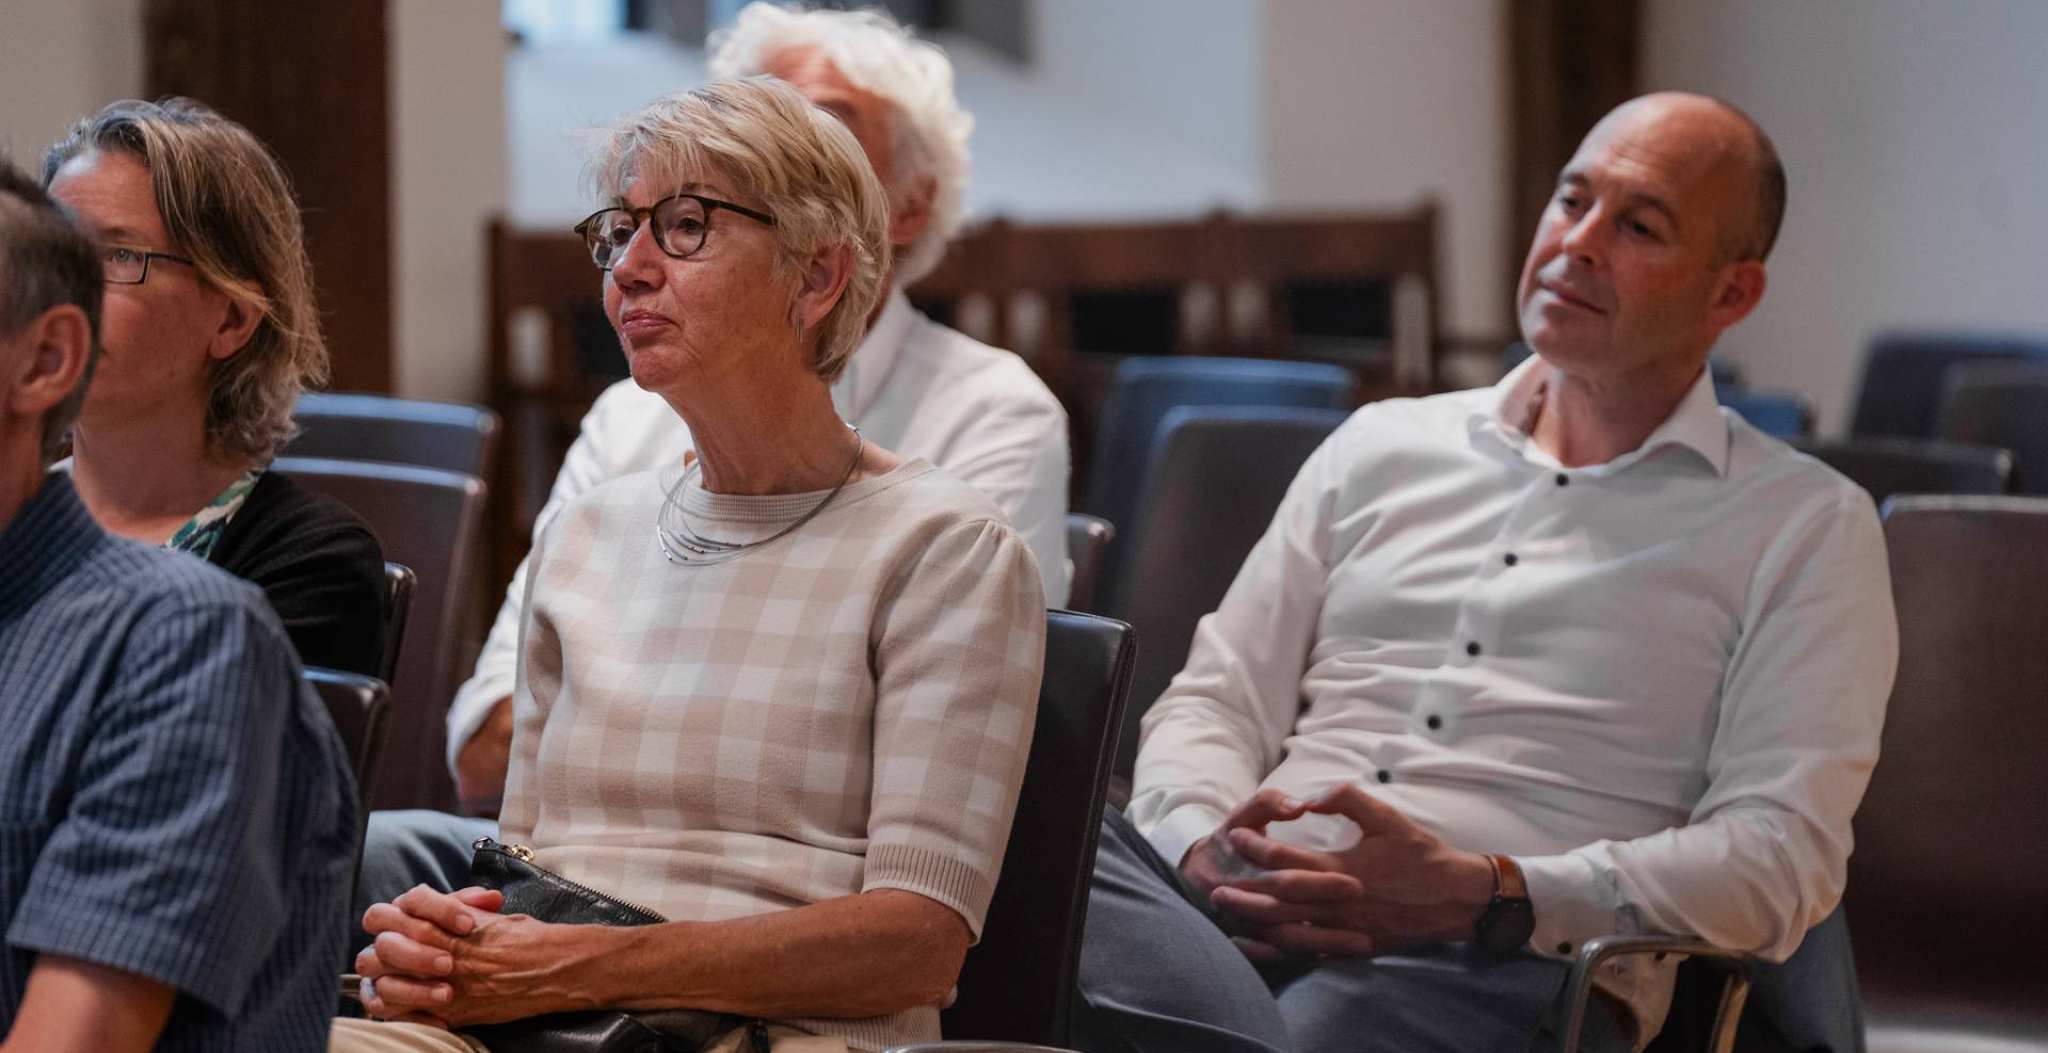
(962, 1046)
(1599, 950)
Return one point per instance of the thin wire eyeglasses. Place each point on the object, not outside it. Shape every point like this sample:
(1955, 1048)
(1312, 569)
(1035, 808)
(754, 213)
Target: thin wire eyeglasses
(121, 265)
(681, 223)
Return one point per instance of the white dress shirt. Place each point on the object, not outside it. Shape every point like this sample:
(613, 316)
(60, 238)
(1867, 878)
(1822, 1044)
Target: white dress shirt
(913, 386)
(1658, 683)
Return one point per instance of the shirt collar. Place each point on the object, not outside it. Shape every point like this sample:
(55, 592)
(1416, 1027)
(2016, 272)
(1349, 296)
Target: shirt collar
(876, 355)
(49, 536)
(1695, 424)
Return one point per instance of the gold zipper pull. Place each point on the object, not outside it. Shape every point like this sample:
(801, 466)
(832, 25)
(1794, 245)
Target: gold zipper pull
(520, 852)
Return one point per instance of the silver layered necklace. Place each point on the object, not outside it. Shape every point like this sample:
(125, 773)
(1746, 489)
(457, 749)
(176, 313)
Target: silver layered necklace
(685, 547)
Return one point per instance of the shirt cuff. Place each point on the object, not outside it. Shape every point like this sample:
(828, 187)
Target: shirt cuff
(1177, 831)
(474, 701)
(1574, 901)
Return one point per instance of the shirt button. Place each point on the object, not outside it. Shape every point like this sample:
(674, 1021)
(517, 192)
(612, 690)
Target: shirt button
(1385, 776)
(1472, 648)
(1434, 722)
(1563, 479)
(1510, 559)
(1564, 949)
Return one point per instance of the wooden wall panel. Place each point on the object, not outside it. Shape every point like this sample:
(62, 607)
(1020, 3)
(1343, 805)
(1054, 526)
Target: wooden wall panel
(309, 78)
(1571, 62)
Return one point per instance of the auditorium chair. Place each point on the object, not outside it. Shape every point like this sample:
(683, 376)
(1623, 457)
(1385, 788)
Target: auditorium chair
(2001, 404)
(1945, 881)
(1088, 538)
(451, 436)
(1145, 388)
(1886, 466)
(1779, 414)
(1017, 985)
(1904, 374)
(430, 521)
(1214, 479)
(359, 706)
(399, 583)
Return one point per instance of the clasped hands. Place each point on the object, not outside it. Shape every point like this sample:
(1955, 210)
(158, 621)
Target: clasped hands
(1397, 887)
(451, 960)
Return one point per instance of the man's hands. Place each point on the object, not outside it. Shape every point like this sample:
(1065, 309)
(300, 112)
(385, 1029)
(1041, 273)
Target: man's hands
(437, 958)
(1396, 887)
(481, 763)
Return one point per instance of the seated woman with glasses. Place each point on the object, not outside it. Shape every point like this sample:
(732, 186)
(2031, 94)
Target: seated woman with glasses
(779, 693)
(208, 336)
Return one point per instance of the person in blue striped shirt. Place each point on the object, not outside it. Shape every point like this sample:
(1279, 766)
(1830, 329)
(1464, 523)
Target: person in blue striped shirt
(177, 818)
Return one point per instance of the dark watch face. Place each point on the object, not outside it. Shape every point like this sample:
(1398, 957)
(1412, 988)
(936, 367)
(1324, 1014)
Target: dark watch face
(1506, 926)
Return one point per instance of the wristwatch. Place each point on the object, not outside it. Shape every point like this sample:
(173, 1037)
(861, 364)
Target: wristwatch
(1509, 920)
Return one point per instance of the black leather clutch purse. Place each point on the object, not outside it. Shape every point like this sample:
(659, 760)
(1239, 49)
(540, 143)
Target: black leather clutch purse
(548, 896)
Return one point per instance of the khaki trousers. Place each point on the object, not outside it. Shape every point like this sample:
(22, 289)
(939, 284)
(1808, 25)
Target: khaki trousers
(351, 1035)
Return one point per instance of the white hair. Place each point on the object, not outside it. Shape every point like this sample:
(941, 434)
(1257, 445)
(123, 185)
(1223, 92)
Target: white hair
(928, 127)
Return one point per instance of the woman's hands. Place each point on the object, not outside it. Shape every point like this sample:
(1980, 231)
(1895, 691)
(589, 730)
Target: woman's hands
(450, 960)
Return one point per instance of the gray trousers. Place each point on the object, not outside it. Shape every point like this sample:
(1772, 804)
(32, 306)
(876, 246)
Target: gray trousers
(414, 847)
(1158, 976)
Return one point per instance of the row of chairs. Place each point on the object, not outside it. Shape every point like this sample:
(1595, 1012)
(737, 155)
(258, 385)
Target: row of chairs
(414, 470)
(1212, 476)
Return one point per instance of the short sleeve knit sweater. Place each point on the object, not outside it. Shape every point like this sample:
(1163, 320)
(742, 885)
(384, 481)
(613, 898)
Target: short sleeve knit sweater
(844, 709)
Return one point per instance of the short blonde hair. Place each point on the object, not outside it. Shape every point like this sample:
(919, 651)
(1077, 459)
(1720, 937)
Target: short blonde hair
(795, 160)
(226, 203)
(929, 127)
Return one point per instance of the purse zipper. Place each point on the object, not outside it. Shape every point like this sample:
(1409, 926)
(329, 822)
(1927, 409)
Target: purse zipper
(525, 855)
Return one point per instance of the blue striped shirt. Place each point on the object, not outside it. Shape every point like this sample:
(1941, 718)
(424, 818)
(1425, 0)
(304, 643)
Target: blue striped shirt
(174, 801)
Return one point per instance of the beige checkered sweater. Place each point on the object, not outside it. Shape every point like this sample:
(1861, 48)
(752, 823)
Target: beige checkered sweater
(845, 709)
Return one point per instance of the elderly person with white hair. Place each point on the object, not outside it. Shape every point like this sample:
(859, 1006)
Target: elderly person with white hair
(776, 693)
(913, 385)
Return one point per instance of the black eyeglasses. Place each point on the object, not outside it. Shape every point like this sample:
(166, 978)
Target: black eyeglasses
(680, 226)
(125, 266)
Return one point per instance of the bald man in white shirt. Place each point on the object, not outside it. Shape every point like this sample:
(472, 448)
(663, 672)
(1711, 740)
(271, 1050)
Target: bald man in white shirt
(1513, 668)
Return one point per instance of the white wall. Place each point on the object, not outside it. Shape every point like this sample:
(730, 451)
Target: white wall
(60, 60)
(1106, 122)
(1378, 103)
(1915, 138)
(447, 70)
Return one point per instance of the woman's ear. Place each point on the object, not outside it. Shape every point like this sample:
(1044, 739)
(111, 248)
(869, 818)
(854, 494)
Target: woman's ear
(824, 281)
(238, 323)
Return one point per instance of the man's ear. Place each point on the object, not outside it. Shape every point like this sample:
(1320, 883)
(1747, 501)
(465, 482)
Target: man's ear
(55, 347)
(238, 322)
(911, 212)
(824, 280)
(1740, 289)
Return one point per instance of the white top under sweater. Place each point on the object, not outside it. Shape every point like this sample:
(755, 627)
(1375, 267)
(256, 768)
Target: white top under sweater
(847, 708)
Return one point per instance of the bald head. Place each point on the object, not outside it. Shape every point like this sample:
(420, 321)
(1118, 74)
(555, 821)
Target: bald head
(1729, 145)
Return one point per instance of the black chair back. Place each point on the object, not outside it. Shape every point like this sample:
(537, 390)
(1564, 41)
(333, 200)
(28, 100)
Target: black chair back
(1887, 466)
(1946, 873)
(1088, 538)
(451, 436)
(430, 521)
(1216, 478)
(1904, 375)
(1018, 982)
(359, 705)
(1145, 389)
(2001, 404)
(399, 582)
